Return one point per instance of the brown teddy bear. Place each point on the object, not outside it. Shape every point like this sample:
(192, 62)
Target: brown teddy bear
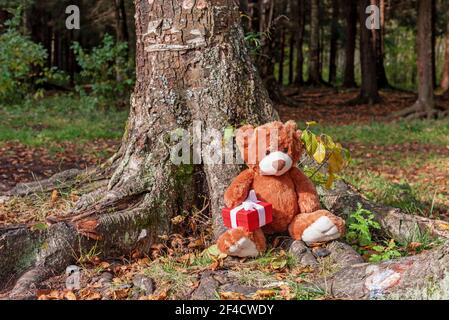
(271, 152)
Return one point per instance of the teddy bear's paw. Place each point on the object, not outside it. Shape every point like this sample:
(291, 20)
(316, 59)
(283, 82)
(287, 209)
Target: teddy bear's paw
(240, 243)
(244, 247)
(322, 230)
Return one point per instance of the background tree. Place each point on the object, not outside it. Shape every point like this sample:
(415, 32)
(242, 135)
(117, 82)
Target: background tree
(351, 33)
(424, 105)
(334, 42)
(368, 89)
(444, 83)
(314, 44)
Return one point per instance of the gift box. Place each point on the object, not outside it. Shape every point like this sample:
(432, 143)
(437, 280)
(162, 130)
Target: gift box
(250, 215)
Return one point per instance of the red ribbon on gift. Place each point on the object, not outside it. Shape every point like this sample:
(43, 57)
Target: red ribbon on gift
(250, 215)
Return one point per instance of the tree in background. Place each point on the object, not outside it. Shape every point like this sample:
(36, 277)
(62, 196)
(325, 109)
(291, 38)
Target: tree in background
(444, 83)
(424, 105)
(368, 90)
(314, 44)
(301, 10)
(379, 48)
(351, 33)
(334, 42)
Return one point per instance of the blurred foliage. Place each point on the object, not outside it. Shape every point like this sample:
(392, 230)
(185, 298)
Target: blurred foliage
(106, 71)
(22, 63)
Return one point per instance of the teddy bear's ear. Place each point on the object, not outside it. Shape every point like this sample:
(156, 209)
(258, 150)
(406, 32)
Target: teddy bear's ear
(243, 135)
(291, 126)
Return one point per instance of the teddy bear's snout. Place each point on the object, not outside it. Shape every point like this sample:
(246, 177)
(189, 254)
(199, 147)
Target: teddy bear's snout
(278, 165)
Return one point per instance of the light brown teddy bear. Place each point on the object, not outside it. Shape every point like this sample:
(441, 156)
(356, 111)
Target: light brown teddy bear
(271, 152)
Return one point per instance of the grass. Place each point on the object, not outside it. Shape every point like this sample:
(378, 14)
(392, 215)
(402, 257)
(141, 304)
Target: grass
(399, 164)
(435, 132)
(59, 118)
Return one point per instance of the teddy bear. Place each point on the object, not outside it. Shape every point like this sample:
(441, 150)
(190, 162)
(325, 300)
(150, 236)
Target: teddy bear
(271, 152)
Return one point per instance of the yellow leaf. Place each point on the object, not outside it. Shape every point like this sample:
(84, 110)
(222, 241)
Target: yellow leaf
(336, 162)
(320, 153)
(69, 295)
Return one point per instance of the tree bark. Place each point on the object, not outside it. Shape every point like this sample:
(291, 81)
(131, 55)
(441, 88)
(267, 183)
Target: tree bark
(444, 83)
(314, 44)
(369, 90)
(378, 43)
(299, 42)
(203, 74)
(120, 20)
(351, 33)
(333, 42)
(424, 105)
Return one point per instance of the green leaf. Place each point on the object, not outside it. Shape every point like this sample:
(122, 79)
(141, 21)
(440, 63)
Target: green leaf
(311, 123)
(39, 226)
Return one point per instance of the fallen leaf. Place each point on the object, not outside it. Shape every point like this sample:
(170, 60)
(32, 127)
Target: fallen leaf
(69, 295)
(54, 196)
(229, 295)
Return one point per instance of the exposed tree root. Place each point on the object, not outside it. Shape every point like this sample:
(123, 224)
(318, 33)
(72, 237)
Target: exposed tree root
(419, 111)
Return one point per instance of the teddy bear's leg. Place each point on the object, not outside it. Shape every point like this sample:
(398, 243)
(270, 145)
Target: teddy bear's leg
(317, 226)
(240, 243)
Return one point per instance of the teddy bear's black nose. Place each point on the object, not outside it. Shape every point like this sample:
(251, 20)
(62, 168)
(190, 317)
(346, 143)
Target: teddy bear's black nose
(279, 165)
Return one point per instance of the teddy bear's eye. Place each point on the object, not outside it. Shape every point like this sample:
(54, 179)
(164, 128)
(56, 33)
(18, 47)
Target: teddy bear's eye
(267, 152)
(285, 150)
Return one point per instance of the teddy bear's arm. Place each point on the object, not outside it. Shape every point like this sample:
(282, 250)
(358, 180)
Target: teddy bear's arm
(239, 189)
(308, 199)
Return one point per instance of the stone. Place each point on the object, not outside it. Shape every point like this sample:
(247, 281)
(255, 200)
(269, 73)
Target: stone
(144, 283)
(302, 253)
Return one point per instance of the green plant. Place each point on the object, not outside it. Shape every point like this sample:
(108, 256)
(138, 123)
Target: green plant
(386, 252)
(254, 41)
(324, 150)
(360, 224)
(20, 61)
(105, 70)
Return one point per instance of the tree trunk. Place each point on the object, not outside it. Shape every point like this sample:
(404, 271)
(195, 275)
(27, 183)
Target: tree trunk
(203, 74)
(299, 42)
(425, 102)
(121, 25)
(333, 42)
(424, 105)
(433, 33)
(351, 32)
(444, 83)
(369, 90)
(378, 43)
(314, 44)
(281, 57)
(246, 19)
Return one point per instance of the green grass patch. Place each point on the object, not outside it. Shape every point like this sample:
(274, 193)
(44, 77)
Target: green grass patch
(59, 118)
(434, 132)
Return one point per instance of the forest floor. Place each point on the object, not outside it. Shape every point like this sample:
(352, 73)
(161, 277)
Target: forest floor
(403, 164)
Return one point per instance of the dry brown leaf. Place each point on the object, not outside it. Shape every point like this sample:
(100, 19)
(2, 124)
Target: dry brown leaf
(414, 245)
(54, 196)
(69, 295)
(90, 295)
(229, 295)
(120, 294)
(264, 294)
